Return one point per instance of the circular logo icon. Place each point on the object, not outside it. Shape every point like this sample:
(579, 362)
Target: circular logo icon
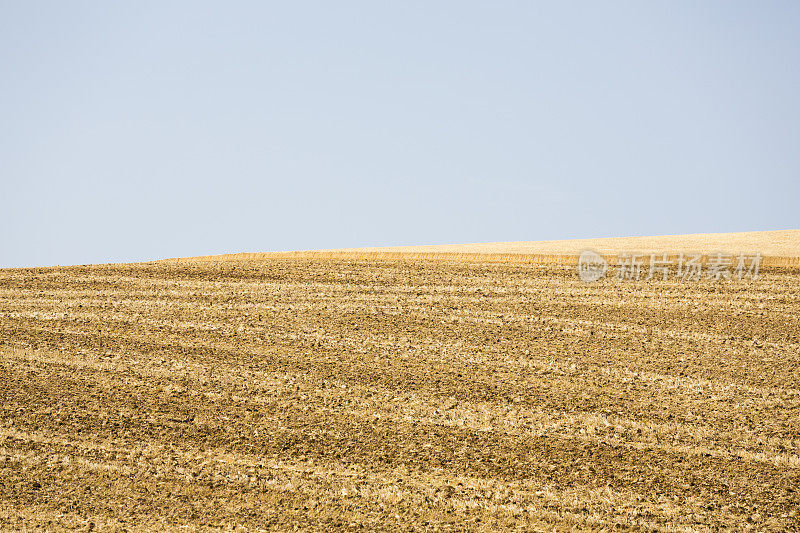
(591, 266)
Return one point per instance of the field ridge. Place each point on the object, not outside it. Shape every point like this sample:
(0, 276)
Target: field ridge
(779, 248)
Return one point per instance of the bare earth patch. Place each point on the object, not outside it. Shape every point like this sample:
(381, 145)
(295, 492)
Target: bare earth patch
(358, 394)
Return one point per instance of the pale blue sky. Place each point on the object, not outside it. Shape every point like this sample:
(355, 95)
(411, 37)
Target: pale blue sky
(140, 130)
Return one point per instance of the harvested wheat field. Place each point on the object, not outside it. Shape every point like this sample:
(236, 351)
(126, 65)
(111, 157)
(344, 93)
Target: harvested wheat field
(779, 247)
(357, 394)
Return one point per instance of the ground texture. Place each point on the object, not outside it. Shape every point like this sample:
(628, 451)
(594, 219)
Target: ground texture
(346, 394)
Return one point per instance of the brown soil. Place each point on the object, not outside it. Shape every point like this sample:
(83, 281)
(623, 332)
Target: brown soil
(347, 394)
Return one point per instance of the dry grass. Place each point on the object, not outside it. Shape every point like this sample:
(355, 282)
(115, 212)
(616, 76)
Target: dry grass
(779, 248)
(533, 259)
(784, 243)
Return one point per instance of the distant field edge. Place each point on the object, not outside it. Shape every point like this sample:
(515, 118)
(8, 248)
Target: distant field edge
(536, 259)
(777, 247)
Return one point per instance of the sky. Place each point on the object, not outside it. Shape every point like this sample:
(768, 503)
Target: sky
(134, 131)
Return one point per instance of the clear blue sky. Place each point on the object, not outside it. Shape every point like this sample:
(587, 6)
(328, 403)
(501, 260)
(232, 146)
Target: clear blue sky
(140, 130)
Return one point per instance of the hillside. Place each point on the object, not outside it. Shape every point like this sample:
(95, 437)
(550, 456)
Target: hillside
(780, 248)
(784, 243)
(348, 394)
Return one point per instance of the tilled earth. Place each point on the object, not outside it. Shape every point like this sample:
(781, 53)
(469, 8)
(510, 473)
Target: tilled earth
(346, 394)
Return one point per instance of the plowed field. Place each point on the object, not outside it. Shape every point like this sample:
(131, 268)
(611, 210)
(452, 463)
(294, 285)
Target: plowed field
(350, 394)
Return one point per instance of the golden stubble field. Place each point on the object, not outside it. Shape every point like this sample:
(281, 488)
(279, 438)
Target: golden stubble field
(383, 395)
